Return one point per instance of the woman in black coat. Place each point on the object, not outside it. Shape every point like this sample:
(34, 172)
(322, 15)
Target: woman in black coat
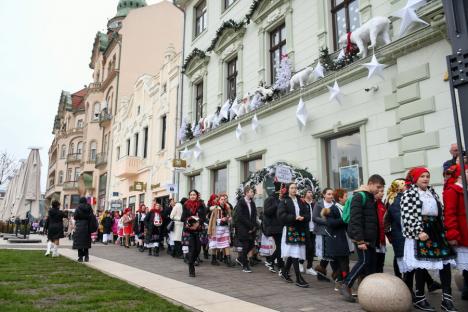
(82, 235)
(107, 223)
(295, 216)
(273, 227)
(55, 228)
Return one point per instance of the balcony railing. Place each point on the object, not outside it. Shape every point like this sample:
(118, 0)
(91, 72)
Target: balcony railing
(74, 158)
(75, 131)
(95, 87)
(104, 119)
(128, 166)
(70, 186)
(101, 159)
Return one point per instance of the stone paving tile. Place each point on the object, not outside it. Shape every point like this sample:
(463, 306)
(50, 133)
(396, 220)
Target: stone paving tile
(260, 287)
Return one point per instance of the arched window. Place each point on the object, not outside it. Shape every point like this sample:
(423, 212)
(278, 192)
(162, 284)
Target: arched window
(96, 110)
(79, 148)
(92, 151)
(60, 177)
(63, 151)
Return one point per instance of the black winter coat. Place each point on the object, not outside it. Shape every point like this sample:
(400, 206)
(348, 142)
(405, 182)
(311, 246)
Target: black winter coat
(245, 222)
(107, 223)
(364, 222)
(287, 214)
(271, 224)
(337, 241)
(396, 232)
(201, 214)
(55, 224)
(81, 236)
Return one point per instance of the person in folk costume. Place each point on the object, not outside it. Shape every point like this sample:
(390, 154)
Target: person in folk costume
(273, 227)
(176, 217)
(120, 232)
(219, 232)
(337, 242)
(139, 226)
(210, 206)
(115, 226)
(455, 221)
(82, 237)
(106, 223)
(55, 228)
(295, 216)
(193, 216)
(381, 247)
(153, 223)
(426, 244)
(320, 229)
(127, 220)
(166, 220)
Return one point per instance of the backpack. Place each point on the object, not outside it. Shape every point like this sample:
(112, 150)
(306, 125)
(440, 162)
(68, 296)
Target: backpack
(347, 207)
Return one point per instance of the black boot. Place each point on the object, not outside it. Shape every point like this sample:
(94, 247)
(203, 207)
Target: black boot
(156, 252)
(229, 262)
(141, 248)
(150, 251)
(464, 295)
(191, 270)
(447, 303)
(420, 302)
(299, 280)
(213, 260)
(205, 252)
(285, 271)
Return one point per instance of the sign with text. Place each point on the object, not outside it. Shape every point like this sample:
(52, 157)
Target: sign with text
(179, 163)
(283, 174)
(172, 188)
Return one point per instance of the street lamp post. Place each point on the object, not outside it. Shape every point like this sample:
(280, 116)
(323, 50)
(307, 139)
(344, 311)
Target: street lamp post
(456, 16)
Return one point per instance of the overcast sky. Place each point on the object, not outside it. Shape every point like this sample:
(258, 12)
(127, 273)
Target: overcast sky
(45, 47)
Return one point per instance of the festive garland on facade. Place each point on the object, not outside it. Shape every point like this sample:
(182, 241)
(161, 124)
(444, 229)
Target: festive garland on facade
(303, 178)
(253, 7)
(334, 65)
(229, 24)
(195, 53)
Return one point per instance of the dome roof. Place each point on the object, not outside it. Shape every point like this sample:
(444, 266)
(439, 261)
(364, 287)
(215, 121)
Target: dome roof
(125, 6)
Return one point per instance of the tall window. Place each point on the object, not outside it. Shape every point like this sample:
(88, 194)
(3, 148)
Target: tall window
(344, 167)
(232, 78)
(141, 198)
(77, 173)
(345, 16)
(219, 182)
(163, 132)
(128, 147)
(145, 147)
(195, 182)
(277, 49)
(69, 174)
(198, 101)
(92, 151)
(63, 151)
(228, 3)
(60, 178)
(251, 166)
(137, 136)
(71, 150)
(132, 202)
(201, 18)
(79, 123)
(96, 111)
(118, 152)
(79, 148)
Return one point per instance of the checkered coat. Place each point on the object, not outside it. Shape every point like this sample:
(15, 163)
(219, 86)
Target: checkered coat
(411, 211)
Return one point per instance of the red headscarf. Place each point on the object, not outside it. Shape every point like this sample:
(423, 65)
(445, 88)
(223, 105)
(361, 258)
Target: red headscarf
(212, 201)
(127, 210)
(414, 174)
(454, 172)
(154, 207)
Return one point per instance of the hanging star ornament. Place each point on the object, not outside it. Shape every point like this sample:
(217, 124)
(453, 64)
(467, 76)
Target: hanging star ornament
(197, 150)
(255, 123)
(318, 71)
(408, 15)
(185, 154)
(375, 68)
(301, 113)
(335, 93)
(239, 132)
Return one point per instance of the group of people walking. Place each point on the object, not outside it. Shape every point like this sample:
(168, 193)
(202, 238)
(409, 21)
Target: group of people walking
(426, 233)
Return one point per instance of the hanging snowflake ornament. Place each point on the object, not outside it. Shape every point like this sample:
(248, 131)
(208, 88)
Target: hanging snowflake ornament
(239, 132)
(224, 112)
(197, 150)
(255, 123)
(408, 15)
(301, 113)
(375, 68)
(318, 71)
(335, 93)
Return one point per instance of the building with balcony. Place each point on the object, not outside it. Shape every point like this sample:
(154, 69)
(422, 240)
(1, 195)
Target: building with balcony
(144, 131)
(381, 126)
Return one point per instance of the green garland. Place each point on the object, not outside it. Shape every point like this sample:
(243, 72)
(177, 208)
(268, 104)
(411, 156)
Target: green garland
(195, 53)
(229, 24)
(253, 7)
(334, 65)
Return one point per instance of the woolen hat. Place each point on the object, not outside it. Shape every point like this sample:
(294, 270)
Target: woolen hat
(415, 173)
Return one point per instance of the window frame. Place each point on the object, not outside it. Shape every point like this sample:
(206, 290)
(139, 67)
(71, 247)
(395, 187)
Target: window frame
(334, 10)
(200, 16)
(145, 147)
(191, 183)
(199, 94)
(163, 131)
(231, 78)
(274, 48)
(214, 173)
(226, 4)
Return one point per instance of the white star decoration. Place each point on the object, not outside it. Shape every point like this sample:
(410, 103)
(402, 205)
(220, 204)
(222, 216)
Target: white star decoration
(185, 154)
(239, 132)
(375, 68)
(197, 150)
(408, 15)
(255, 123)
(301, 113)
(335, 93)
(318, 71)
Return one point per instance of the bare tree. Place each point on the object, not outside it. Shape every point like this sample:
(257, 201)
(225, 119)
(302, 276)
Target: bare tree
(7, 166)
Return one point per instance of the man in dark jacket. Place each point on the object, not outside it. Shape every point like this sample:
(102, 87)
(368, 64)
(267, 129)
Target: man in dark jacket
(273, 227)
(363, 229)
(82, 236)
(246, 226)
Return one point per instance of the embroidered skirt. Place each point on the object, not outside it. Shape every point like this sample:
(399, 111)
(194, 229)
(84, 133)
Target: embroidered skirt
(291, 250)
(222, 238)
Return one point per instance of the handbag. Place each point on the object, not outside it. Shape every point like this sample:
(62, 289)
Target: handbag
(170, 226)
(267, 246)
(92, 224)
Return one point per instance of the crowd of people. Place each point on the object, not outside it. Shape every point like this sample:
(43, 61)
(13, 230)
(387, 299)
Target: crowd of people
(427, 233)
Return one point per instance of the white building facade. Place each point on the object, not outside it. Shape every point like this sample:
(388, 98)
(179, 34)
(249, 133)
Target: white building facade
(382, 126)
